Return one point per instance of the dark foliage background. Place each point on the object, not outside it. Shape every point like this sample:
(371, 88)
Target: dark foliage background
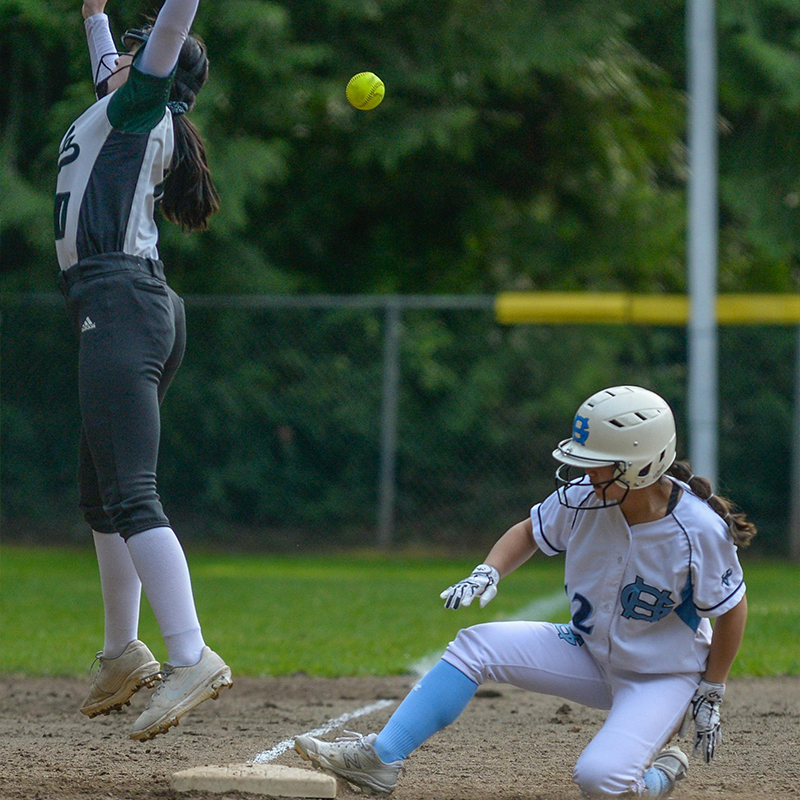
(521, 145)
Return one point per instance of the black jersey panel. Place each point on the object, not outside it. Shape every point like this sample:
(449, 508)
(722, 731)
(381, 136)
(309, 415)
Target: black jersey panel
(107, 201)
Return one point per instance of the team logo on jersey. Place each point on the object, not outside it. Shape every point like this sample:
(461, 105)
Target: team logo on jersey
(580, 429)
(726, 577)
(640, 601)
(69, 150)
(569, 636)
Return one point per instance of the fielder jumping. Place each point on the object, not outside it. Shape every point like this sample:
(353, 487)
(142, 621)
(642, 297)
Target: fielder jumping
(651, 557)
(132, 151)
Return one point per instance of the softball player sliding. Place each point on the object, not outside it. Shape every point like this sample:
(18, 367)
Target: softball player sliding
(650, 558)
(129, 152)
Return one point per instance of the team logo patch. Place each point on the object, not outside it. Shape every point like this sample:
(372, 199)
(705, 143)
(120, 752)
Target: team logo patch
(569, 636)
(640, 601)
(726, 577)
(580, 429)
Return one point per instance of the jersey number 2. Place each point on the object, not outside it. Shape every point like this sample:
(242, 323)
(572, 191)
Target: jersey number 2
(582, 614)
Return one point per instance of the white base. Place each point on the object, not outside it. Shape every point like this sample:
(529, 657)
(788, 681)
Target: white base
(273, 780)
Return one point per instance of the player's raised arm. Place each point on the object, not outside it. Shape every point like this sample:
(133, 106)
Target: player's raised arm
(98, 39)
(511, 550)
(169, 31)
(92, 7)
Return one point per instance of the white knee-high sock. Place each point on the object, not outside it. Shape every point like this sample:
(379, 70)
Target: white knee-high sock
(122, 592)
(161, 565)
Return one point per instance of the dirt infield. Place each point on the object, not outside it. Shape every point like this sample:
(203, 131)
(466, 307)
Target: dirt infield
(508, 744)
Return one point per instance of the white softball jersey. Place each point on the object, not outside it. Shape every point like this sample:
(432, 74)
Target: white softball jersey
(641, 596)
(111, 167)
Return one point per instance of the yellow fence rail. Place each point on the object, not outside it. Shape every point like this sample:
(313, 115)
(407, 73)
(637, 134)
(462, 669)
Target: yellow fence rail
(616, 308)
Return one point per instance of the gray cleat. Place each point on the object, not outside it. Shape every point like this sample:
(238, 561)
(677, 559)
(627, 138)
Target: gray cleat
(118, 679)
(353, 758)
(181, 689)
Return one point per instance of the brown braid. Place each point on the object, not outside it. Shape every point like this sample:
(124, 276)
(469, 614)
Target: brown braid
(742, 530)
(190, 196)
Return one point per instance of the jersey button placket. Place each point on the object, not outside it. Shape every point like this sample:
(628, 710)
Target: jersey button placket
(614, 586)
(605, 612)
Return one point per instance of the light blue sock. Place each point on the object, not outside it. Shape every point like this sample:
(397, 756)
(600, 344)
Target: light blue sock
(431, 705)
(657, 782)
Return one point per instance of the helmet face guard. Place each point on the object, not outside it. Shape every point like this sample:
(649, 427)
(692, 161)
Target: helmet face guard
(572, 483)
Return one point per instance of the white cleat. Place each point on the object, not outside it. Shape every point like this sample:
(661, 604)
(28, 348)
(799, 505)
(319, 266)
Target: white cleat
(118, 679)
(353, 758)
(181, 689)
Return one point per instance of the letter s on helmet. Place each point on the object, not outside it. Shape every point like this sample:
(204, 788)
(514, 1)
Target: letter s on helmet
(627, 426)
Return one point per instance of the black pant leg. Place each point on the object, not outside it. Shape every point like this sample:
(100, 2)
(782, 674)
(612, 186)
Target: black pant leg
(90, 500)
(121, 366)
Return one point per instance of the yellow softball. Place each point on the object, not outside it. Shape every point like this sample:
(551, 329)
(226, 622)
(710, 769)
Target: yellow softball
(365, 91)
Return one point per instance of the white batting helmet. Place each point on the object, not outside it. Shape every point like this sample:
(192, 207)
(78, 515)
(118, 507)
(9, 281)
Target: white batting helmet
(627, 426)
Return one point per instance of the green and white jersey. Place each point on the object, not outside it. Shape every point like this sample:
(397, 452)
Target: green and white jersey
(111, 168)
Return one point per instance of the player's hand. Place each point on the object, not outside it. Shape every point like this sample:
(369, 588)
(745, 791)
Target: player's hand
(482, 583)
(705, 713)
(92, 7)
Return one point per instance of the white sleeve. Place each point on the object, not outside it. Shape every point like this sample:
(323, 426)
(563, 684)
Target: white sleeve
(717, 577)
(169, 32)
(101, 43)
(551, 526)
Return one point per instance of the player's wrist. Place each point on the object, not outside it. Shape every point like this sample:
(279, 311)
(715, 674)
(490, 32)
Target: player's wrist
(712, 690)
(488, 571)
(92, 9)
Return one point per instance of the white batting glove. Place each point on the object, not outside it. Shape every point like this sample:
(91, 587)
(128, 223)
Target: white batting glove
(482, 583)
(704, 709)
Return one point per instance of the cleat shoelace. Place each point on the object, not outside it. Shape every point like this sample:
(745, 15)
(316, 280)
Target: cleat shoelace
(350, 737)
(98, 656)
(160, 677)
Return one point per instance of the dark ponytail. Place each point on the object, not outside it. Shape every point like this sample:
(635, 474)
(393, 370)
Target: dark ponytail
(742, 530)
(190, 196)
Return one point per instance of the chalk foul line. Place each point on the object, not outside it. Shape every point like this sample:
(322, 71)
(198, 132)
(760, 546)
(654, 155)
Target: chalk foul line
(270, 755)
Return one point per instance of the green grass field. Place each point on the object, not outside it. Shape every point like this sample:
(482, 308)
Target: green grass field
(331, 615)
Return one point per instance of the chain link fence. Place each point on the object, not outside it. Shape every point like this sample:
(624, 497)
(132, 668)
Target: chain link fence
(349, 421)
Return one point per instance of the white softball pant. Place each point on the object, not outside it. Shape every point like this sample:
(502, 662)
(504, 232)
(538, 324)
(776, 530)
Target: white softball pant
(644, 710)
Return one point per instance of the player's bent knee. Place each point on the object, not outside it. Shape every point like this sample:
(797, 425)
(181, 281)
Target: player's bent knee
(596, 778)
(97, 519)
(130, 518)
(469, 652)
